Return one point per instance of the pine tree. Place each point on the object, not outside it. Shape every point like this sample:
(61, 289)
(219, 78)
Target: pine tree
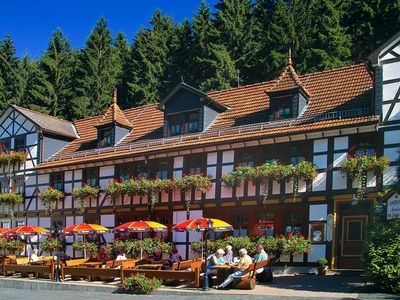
(234, 21)
(52, 90)
(212, 64)
(150, 59)
(330, 44)
(122, 57)
(96, 73)
(28, 73)
(9, 83)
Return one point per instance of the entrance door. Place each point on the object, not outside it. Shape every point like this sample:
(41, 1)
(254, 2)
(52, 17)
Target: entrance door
(353, 222)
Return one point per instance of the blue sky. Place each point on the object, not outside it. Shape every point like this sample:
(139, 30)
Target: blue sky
(31, 22)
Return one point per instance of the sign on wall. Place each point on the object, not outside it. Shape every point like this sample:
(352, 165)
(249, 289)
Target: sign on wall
(393, 207)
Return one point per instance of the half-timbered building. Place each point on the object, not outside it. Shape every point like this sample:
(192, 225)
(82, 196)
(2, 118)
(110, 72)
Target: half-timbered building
(319, 117)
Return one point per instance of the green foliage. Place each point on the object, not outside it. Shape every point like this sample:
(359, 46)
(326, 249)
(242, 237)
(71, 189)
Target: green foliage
(11, 199)
(139, 284)
(381, 255)
(133, 246)
(49, 198)
(51, 245)
(83, 194)
(322, 262)
(90, 247)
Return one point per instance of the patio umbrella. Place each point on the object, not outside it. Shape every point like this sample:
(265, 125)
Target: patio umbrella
(140, 227)
(3, 231)
(27, 231)
(203, 225)
(85, 229)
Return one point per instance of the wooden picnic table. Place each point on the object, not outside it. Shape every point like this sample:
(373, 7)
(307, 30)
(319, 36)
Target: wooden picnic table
(150, 266)
(92, 264)
(223, 272)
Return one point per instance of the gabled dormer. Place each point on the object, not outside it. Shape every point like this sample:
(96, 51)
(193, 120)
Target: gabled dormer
(288, 96)
(188, 110)
(113, 126)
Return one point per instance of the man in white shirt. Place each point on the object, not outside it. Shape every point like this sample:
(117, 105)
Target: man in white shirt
(34, 257)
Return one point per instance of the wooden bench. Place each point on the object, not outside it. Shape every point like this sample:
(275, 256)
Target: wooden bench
(21, 266)
(248, 281)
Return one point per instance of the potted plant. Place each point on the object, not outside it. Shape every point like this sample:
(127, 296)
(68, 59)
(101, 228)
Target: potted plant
(139, 284)
(87, 247)
(322, 266)
(11, 199)
(49, 197)
(51, 244)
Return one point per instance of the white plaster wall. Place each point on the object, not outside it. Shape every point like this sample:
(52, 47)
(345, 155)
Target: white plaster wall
(212, 158)
(395, 114)
(318, 212)
(43, 179)
(390, 90)
(107, 171)
(228, 156)
(45, 222)
(251, 189)
(78, 175)
(31, 138)
(276, 187)
(340, 143)
(391, 70)
(321, 145)
(227, 169)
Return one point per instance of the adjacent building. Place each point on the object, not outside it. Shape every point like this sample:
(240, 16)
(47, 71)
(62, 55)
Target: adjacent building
(319, 117)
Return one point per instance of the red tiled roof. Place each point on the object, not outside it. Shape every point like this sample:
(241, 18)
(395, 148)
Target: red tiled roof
(333, 90)
(114, 115)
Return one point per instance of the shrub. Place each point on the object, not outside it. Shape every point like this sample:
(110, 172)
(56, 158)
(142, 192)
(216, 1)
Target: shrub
(139, 284)
(381, 255)
(51, 244)
(88, 246)
(322, 262)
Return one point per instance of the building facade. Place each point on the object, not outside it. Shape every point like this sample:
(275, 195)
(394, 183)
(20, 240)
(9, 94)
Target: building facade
(320, 117)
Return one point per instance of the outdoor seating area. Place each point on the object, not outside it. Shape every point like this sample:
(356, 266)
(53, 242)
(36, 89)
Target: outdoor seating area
(147, 256)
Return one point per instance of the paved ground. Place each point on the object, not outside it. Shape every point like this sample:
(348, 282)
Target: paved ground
(283, 287)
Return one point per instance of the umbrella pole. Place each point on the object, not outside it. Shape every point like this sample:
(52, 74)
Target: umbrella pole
(84, 248)
(205, 285)
(141, 249)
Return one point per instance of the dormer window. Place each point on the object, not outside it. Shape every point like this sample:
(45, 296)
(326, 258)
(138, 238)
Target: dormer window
(182, 123)
(283, 108)
(19, 144)
(105, 137)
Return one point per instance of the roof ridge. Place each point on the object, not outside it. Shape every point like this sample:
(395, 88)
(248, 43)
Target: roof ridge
(41, 113)
(333, 70)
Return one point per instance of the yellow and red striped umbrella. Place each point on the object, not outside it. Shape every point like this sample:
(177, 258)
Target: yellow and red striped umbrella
(202, 224)
(3, 231)
(141, 226)
(82, 229)
(28, 230)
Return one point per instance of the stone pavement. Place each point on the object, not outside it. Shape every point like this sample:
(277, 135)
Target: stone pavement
(283, 287)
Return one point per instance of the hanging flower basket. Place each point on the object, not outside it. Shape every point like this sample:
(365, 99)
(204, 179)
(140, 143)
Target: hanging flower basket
(114, 190)
(238, 176)
(270, 171)
(12, 158)
(50, 197)
(86, 246)
(11, 199)
(356, 167)
(304, 170)
(83, 194)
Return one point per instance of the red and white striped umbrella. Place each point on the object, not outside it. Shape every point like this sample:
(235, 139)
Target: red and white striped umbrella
(28, 231)
(85, 229)
(141, 226)
(3, 231)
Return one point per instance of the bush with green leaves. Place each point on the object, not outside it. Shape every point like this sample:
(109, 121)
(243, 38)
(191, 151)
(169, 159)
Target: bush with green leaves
(381, 257)
(51, 244)
(139, 284)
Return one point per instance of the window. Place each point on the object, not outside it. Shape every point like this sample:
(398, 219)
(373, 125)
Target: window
(296, 155)
(5, 224)
(123, 172)
(184, 123)
(57, 223)
(364, 149)
(4, 185)
(246, 159)
(20, 143)
(293, 223)
(283, 108)
(193, 121)
(57, 181)
(194, 164)
(271, 155)
(5, 145)
(141, 170)
(175, 124)
(20, 223)
(18, 185)
(240, 225)
(91, 176)
(162, 170)
(105, 136)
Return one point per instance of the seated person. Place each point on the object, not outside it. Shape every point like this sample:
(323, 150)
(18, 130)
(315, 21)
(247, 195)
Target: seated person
(242, 269)
(261, 255)
(228, 257)
(101, 254)
(174, 256)
(121, 256)
(156, 258)
(215, 259)
(34, 257)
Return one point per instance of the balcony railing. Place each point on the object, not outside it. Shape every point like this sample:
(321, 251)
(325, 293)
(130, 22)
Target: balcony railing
(217, 133)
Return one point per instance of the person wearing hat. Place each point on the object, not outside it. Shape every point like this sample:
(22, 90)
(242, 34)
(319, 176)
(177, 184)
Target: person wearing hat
(215, 259)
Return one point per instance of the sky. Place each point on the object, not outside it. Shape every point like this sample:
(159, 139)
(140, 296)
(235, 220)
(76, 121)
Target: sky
(31, 22)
